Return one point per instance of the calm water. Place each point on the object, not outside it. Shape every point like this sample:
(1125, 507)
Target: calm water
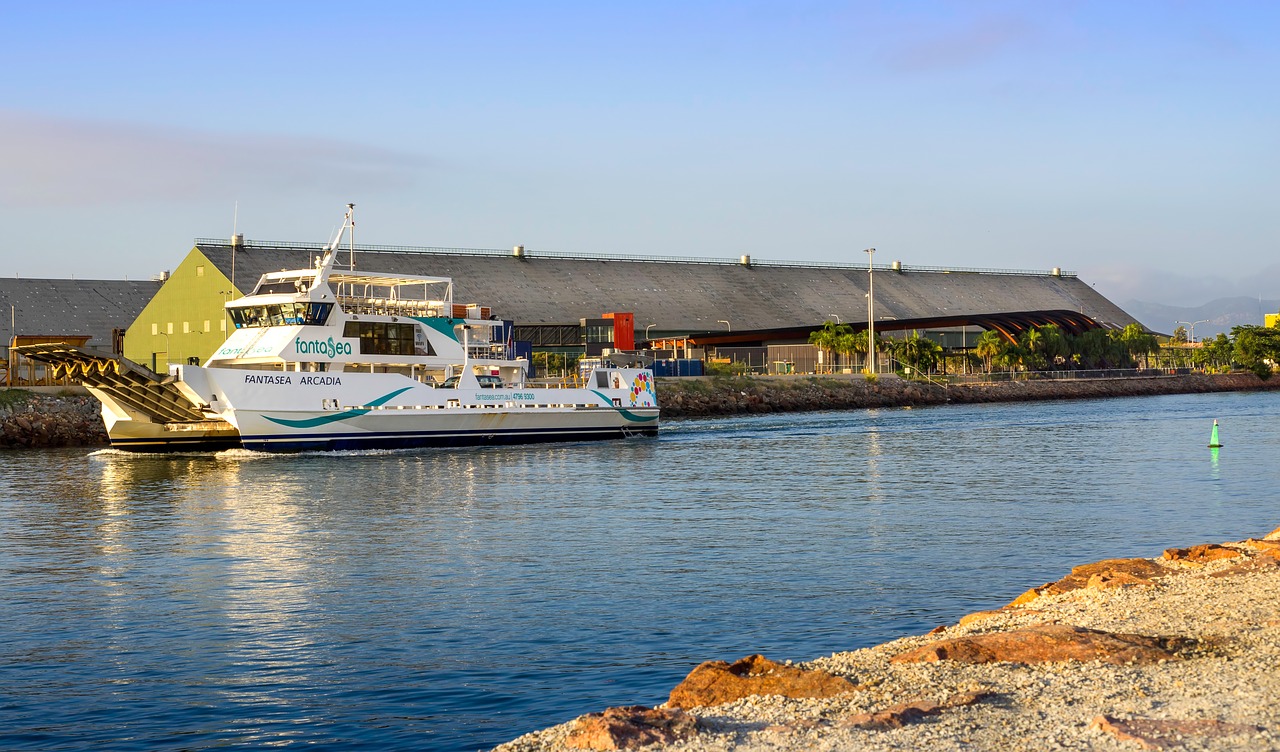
(452, 600)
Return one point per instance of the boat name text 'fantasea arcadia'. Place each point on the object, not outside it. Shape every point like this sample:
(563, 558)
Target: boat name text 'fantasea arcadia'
(253, 378)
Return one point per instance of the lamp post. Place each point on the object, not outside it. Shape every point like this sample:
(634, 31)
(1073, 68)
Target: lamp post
(225, 294)
(1192, 324)
(13, 341)
(836, 316)
(871, 310)
(646, 330)
(726, 324)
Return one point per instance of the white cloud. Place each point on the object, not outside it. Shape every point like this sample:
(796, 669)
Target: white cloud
(65, 162)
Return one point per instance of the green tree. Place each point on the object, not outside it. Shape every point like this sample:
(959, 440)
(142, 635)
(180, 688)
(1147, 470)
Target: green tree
(1093, 348)
(844, 344)
(1257, 348)
(987, 347)
(1221, 350)
(1009, 356)
(828, 338)
(1179, 336)
(1031, 345)
(1137, 341)
(919, 352)
(1055, 345)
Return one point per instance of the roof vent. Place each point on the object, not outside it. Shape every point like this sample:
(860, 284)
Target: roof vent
(237, 240)
(518, 251)
(745, 261)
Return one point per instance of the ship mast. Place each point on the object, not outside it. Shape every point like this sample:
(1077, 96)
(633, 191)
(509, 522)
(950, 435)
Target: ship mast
(331, 253)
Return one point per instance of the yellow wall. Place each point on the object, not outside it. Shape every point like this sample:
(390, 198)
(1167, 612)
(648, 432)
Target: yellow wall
(189, 300)
(1272, 320)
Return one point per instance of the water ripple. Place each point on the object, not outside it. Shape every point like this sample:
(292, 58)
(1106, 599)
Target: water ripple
(455, 599)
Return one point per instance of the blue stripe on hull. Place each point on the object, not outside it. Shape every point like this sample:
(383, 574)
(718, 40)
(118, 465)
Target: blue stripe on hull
(418, 439)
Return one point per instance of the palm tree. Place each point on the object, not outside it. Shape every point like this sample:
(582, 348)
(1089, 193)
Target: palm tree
(919, 352)
(1031, 343)
(828, 337)
(988, 346)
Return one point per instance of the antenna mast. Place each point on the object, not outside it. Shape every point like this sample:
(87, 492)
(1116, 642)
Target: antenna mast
(235, 225)
(351, 220)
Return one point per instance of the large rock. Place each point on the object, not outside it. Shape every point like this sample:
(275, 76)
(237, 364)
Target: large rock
(631, 727)
(1106, 573)
(1203, 553)
(1048, 643)
(717, 682)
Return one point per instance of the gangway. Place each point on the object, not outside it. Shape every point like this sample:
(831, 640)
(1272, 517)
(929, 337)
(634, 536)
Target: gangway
(130, 384)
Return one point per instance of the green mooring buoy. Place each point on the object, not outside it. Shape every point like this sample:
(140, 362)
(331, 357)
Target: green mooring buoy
(1213, 438)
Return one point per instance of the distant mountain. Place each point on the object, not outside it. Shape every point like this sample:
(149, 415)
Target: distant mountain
(1212, 317)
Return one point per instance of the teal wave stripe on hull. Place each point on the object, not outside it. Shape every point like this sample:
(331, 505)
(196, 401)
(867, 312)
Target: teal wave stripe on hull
(326, 419)
(608, 402)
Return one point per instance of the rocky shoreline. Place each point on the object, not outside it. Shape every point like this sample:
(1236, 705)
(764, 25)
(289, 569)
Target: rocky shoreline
(1177, 652)
(719, 396)
(30, 420)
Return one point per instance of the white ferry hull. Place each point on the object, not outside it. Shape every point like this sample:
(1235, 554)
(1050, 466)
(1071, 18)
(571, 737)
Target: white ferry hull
(299, 411)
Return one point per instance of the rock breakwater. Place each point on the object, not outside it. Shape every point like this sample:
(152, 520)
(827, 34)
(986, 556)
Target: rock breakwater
(1179, 655)
(30, 420)
(708, 396)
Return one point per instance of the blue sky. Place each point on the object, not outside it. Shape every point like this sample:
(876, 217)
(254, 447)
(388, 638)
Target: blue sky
(1135, 142)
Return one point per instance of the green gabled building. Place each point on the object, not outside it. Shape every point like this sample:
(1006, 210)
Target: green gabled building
(185, 321)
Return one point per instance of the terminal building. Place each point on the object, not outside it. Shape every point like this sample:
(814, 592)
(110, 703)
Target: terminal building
(578, 304)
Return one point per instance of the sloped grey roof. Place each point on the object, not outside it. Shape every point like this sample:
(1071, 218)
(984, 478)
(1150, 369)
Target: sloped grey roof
(690, 295)
(72, 307)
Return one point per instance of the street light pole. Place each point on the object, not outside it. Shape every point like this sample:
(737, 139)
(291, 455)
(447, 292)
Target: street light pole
(871, 310)
(646, 331)
(1192, 324)
(726, 324)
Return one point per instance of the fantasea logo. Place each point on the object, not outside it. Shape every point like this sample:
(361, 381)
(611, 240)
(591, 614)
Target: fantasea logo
(321, 347)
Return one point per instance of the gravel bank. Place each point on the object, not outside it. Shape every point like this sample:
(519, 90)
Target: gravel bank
(1220, 694)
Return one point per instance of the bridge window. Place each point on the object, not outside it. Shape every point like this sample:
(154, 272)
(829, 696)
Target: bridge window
(280, 314)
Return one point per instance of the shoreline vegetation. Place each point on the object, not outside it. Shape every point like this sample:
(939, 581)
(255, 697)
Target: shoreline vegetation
(30, 420)
(1165, 653)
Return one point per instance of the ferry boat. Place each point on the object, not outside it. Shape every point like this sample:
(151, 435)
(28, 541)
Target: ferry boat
(327, 358)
